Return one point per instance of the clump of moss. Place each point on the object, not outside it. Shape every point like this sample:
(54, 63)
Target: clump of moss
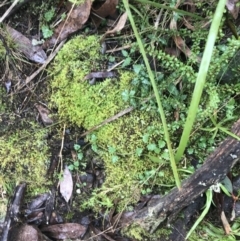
(24, 157)
(138, 233)
(123, 143)
(132, 147)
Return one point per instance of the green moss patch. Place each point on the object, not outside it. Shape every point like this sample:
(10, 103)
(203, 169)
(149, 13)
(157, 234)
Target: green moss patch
(133, 146)
(122, 143)
(24, 158)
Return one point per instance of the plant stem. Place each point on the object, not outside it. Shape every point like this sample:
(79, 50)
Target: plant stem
(201, 77)
(155, 89)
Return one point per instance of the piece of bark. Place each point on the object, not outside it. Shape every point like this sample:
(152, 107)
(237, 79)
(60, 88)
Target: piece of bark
(214, 169)
(13, 210)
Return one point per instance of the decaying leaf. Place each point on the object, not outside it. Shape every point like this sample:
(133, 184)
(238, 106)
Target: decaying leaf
(108, 8)
(101, 75)
(65, 231)
(77, 17)
(66, 184)
(180, 43)
(44, 113)
(24, 45)
(120, 25)
(38, 201)
(25, 232)
(233, 8)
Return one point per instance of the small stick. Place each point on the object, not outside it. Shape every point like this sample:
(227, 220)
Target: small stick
(9, 10)
(112, 118)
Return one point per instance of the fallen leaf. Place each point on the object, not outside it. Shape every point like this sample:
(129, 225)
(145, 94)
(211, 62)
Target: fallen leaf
(25, 232)
(38, 201)
(233, 8)
(101, 75)
(77, 17)
(108, 8)
(24, 45)
(44, 113)
(66, 184)
(180, 43)
(120, 25)
(65, 231)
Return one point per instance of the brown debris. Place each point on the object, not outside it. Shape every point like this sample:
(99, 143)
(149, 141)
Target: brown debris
(65, 231)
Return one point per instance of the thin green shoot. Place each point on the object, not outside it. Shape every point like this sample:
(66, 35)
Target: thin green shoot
(201, 78)
(209, 196)
(156, 92)
(163, 6)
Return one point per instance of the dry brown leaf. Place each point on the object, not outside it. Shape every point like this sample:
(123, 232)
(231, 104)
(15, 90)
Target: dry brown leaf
(108, 8)
(233, 8)
(76, 18)
(180, 43)
(66, 184)
(25, 232)
(24, 45)
(225, 223)
(65, 231)
(120, 25)
(44, 113)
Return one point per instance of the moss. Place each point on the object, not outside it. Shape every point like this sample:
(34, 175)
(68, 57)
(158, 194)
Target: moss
(136, 232)
(120, 143)
(24, 155)
(132, 147)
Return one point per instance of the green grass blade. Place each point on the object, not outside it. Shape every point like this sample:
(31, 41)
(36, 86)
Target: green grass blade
(201, 77)
(209, 196)
(163, 6)
(155, 89)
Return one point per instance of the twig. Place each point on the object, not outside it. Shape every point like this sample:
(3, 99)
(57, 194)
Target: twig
(112, 118)
(3, 3)
(62, 144)
(49, 59)
(9, 10)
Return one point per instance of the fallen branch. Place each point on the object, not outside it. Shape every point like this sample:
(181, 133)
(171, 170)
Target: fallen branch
(214, 169)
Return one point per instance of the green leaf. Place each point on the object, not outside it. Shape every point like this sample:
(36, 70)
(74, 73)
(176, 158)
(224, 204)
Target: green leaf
(47, 32)
(76, 163)
(157, 150)
(145, 138)
(156, 159)
(190, 150)
(151, 146)
(161, 174)
(124, 53)
(165, 155)
(125, 95)
(114, 159)
(127, 62)
(161, 144)
(139, 151)
(80, 156)
(111, 149)
(76, 147)
(49, 15)
(137, 68)
(226, 182)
